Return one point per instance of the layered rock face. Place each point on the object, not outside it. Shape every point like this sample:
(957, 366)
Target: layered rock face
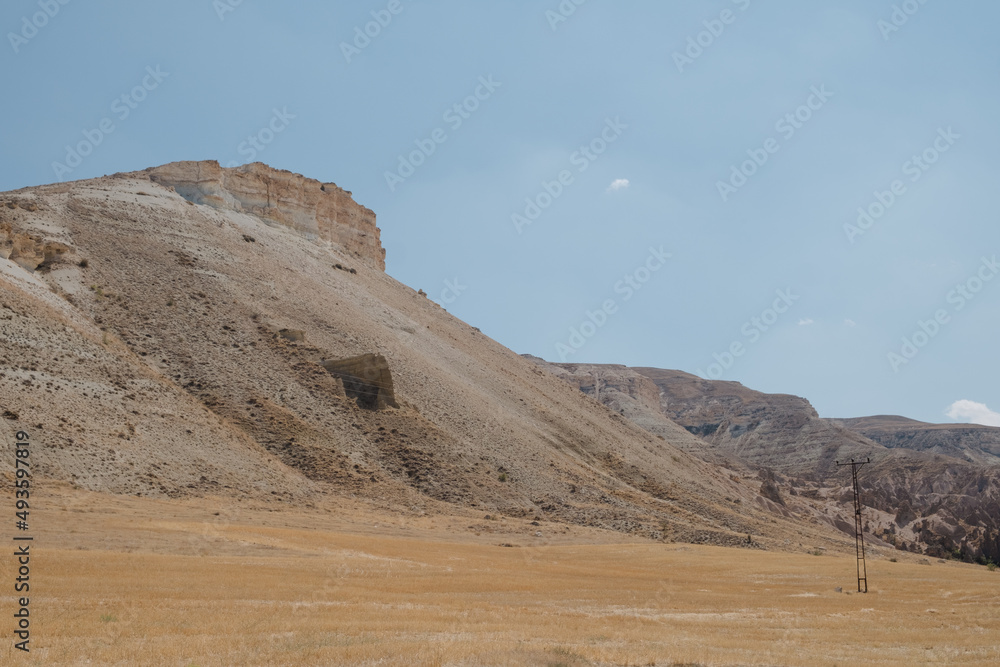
(314, 209)
(970, 442)
(778, 431)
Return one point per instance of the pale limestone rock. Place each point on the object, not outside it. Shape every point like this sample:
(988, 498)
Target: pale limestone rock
(313, 209)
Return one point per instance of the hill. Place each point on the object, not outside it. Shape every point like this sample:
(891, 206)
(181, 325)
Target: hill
(190, 331)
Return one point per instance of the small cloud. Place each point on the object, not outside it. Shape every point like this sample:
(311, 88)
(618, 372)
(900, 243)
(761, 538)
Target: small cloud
(806, 322)
(973, 413)
(850, 323)
(618, 184)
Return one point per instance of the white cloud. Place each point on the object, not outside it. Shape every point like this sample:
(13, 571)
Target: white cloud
(618, 184)
(850, 323)
(973, 413)
(806, 322)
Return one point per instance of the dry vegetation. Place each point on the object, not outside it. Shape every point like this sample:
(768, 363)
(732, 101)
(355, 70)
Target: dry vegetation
(121, 581)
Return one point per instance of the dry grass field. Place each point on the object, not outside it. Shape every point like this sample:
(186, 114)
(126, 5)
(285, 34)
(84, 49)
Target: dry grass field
(128, 581)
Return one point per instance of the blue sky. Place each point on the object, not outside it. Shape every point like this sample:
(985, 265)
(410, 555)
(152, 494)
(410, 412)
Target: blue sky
(749, 133)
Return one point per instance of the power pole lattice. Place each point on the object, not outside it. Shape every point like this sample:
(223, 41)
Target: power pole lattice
(859, 535)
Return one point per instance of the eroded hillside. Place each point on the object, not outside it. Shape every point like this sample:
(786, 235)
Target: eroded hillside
(931, 488)
(192, 330)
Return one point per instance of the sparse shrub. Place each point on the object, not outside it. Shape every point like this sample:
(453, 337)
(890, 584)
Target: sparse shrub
(992, 567)
(502, 477)
(816, 552)
(893, 560)
(108, 618)
(170, 302)
(83, 263)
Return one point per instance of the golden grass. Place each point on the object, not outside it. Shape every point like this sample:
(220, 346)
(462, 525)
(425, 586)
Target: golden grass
(330, 597)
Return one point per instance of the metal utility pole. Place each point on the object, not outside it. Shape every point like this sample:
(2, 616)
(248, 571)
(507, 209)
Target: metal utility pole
(859, 535)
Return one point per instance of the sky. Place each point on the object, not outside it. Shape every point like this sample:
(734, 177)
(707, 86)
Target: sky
(799, 196)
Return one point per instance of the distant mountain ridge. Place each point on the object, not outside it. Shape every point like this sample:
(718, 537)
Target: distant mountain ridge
(971, 442)
(933, 487)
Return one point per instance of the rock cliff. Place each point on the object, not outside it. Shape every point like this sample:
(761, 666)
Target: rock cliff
(314, 209)
(968, 442)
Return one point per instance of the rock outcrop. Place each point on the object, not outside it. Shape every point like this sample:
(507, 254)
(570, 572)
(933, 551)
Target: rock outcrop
(28, 251)
(366, 379)
(314, 209)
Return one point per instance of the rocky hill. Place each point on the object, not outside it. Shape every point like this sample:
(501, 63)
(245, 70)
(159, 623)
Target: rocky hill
(930, 488)
(191, 330)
